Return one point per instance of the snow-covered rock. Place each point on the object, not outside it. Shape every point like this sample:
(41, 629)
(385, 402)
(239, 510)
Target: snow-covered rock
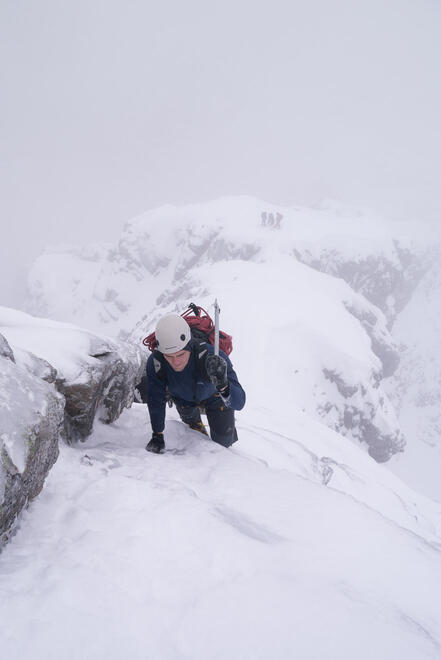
(385, 271)
(54, 379)
(5, 349)
(31, 418)
(96, 375)
(333, 346)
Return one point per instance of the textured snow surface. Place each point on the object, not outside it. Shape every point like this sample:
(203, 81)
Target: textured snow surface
(290, 544)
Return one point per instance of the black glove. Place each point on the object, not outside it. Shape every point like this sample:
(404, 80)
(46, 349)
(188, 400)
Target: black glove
(156, 444)
(217, 371)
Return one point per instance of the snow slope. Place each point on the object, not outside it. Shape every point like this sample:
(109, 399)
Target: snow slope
(290, 544)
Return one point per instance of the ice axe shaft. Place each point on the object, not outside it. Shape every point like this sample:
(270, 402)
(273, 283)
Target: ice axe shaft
(216, 327)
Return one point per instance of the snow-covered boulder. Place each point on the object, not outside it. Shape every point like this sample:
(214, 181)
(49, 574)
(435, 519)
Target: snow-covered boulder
(104, 385)
(96, 375)
(31, 418)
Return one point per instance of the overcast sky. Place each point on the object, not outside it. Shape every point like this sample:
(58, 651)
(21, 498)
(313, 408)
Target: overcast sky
(112, 107)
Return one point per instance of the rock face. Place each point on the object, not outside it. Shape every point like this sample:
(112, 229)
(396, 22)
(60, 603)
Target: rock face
(406, 284)
(31, 418)
(96, 376)
(386, 275)
(57, 389)
(364, 410)
(102, 388)
(364, 417)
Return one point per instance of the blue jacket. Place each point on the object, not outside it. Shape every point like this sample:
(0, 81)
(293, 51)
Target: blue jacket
(190, 386)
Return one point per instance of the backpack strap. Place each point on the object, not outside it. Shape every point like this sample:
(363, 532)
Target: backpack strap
(159, 365)
(200, 352)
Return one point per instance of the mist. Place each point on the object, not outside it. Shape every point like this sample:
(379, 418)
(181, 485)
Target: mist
(111, 108)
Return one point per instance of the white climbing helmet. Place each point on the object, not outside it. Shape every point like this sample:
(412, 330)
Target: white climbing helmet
(172, 333)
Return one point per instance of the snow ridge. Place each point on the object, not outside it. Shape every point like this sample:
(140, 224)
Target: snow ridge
(242, 250)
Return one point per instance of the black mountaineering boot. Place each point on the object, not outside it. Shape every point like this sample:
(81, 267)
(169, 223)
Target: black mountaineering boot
(156, 444)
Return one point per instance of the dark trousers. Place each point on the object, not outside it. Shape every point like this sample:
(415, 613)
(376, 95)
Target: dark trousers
(220, 419)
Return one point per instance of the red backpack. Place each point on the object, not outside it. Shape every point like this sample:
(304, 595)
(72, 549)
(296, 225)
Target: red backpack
(202, 329)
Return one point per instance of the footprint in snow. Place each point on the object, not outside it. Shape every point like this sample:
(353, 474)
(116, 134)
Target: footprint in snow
(248, 527)
(109, 463)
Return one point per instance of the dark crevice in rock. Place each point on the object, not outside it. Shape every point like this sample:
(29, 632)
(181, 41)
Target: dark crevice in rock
(336, 378)
(5, 349)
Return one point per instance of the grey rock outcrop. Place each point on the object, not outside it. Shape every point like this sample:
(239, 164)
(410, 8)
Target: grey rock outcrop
(387, 276)
(5, 349)
(363, 418)
(31, 418)
(96, 375)
(87, 377)
(104, 386)
(382, 343)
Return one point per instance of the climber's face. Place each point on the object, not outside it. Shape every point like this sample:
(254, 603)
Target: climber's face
(179, 360)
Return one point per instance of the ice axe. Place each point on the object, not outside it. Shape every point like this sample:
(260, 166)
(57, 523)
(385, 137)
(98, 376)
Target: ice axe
(216, 327)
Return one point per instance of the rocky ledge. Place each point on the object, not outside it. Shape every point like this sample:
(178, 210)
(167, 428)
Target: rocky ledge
(55, 380)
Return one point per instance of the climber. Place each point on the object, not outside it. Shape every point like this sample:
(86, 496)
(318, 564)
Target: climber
(186, 369)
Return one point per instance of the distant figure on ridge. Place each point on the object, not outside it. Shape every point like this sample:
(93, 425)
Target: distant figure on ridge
(187, 370)
(279, 218)
(263, 216)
